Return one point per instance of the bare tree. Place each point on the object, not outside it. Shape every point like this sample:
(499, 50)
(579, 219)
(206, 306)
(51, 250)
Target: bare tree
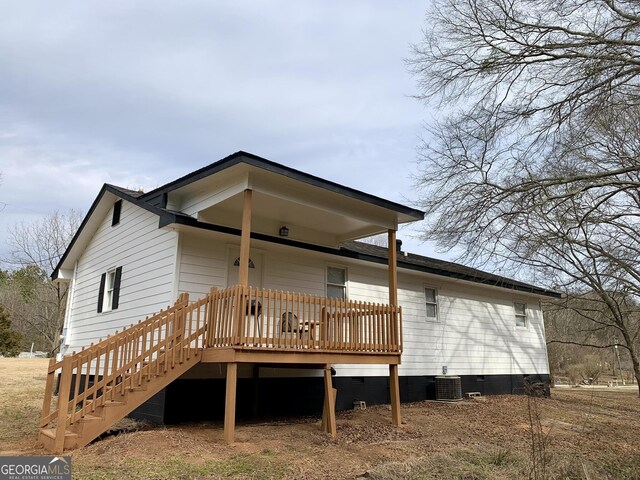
(36, 249)
(576, 322)
(529, 66)
(535, 165)
(43, 241)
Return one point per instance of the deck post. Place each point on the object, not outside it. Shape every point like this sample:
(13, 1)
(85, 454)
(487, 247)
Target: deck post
(329, 419)
(230, 403)
(245, 240)
(394, 390)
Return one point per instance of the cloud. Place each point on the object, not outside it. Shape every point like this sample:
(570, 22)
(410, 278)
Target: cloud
(139, 93)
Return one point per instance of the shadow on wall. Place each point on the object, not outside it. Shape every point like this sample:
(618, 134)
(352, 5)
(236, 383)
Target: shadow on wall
(488, 340)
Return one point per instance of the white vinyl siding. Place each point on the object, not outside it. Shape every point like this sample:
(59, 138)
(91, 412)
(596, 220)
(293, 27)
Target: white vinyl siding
(147, 255)
(475, 333)
(203, 264)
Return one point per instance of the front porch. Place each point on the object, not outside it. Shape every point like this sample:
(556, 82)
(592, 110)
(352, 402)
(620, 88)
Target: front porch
(255, 323)
(248, 325)
(264, 327)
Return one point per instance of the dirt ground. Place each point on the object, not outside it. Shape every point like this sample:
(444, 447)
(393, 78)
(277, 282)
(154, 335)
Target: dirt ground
(581, 433)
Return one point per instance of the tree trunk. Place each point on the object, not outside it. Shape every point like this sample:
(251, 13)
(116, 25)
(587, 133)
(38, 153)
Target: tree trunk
(636, 368)
(634, 356)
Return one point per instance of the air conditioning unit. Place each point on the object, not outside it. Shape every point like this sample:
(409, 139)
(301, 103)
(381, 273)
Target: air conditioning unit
(448, 388)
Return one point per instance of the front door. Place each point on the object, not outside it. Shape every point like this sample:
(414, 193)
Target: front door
(255, 268)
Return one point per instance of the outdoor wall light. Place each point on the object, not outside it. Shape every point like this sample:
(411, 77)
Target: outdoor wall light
(284, 231)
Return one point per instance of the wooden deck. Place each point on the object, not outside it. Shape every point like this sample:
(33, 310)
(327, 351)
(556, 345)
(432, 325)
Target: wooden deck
(289, 358)
(103, 383)
(252, 323)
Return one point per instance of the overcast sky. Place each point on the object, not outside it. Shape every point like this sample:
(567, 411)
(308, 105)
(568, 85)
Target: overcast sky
(140, 93)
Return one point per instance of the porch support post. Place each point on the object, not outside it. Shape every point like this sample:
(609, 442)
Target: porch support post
(230, 403)
(329, 417)
(394, 384)
(395, 395)
(245, 240)
(393, 285)
(393, 269)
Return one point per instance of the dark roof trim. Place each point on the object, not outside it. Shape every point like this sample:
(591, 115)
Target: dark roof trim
(117, 191)
(501, 282)
(263, 163)
(169, 218)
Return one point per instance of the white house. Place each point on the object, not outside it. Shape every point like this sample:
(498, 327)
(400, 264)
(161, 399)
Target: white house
(136, 253)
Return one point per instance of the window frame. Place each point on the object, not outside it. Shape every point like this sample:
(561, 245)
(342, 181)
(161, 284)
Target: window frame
(327, 283)
(519, 316)
(426, 287)
(109, 291)
(109, 287)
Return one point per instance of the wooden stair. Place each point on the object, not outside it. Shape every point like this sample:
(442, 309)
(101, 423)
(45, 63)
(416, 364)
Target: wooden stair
(110, 379)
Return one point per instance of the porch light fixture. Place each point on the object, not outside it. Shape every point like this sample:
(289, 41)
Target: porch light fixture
(284, 231)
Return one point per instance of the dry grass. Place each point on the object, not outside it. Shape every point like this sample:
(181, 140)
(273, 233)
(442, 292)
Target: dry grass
(592, 435)
(21, 391)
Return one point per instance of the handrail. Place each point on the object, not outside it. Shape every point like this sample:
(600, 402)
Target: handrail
(104, 370)
(257, 318)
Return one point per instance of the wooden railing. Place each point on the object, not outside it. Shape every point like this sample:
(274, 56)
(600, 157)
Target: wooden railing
(265, 319)
(104, 371)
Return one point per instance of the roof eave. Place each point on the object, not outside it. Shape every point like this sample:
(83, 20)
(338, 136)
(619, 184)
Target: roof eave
(236, 158)
(105, 188)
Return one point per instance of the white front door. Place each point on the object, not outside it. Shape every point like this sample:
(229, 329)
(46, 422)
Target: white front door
(255, 268)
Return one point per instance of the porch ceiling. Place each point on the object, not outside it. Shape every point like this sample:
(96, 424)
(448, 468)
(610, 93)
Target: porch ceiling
(310, 223)
(311, 213)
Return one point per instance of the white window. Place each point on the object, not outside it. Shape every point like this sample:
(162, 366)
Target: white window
(521, 314)
(336, 282)
(431, 302)
(108, 290)
(109, 293)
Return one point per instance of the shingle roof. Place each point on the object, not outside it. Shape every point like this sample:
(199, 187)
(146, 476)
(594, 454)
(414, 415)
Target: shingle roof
(126, 191)
(444, 268)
